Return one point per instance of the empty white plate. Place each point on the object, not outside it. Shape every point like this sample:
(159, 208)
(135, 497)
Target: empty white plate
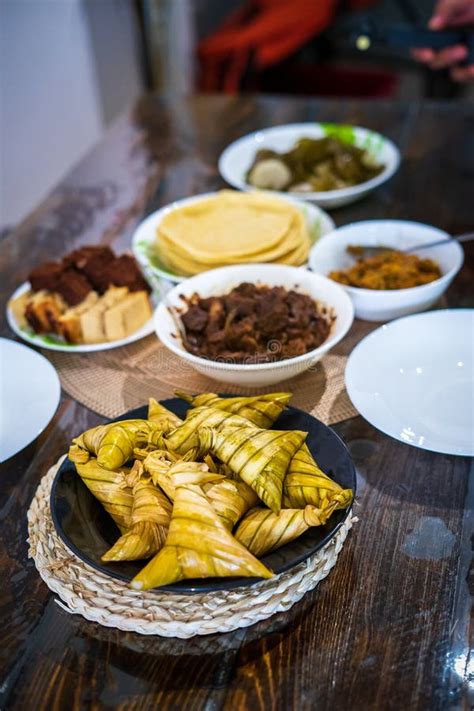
(29, 396)
(414, 380)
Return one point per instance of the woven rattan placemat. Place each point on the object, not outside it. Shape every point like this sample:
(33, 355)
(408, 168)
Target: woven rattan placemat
(114, 381)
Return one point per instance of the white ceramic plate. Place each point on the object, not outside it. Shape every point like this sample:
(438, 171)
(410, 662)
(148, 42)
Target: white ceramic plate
(55, 343)
(330, 254)
(237, 158)
(144, 239)
(30, 393)
(414, 380)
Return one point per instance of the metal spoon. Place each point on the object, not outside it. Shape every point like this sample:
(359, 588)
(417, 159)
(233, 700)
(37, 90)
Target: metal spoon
(367, 251)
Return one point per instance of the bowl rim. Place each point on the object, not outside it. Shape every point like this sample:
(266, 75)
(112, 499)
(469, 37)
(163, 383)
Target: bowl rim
(329, 343)
(389, 170)
(357, 290)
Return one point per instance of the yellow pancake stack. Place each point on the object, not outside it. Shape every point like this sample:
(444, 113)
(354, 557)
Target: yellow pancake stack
(232, 228)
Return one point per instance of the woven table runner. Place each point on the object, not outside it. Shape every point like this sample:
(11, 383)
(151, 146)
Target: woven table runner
(114, 381)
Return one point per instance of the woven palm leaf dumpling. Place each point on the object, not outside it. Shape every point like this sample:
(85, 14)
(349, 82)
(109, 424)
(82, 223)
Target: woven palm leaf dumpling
(206, 496)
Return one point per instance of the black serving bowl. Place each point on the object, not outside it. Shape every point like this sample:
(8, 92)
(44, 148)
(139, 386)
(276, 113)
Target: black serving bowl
(88, 530)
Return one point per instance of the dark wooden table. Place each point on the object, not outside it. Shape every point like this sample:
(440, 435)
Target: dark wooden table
(390, 628)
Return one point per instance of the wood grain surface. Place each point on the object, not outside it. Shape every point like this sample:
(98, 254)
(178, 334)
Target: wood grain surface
(391, 627)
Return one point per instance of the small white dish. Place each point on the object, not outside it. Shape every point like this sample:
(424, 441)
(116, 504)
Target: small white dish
(145, 236)
(55, 343)
(330, 254)
(413, 379)
(221, 281)
(237, 158)
(30, 394)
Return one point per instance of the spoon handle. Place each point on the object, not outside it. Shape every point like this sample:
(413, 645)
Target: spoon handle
(460, 238)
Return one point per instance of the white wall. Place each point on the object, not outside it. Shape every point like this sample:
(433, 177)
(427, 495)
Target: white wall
(113, 33)
(53, 106)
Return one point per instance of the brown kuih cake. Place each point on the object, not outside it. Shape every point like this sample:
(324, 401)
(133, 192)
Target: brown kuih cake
(90, 296)
(87, 269)
(124, 271)
(80, 258)
(73, 286)
(46, 276)
(92, 262)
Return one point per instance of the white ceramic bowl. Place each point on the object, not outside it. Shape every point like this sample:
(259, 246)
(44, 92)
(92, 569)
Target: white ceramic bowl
(317, 221)
(372, 305)
(221, 281)
(237, 158)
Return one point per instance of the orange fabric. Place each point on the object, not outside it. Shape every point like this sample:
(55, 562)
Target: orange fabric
(285, 23)
(264, 31)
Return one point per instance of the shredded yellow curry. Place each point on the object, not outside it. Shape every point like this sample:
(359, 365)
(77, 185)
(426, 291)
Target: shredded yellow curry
(389, 270)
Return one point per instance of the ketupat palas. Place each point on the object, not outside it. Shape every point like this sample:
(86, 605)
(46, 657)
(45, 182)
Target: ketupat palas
(169, 476)
(113, 444)
(118, 443)
(224, 459)
(198, 546)
(150, 504)
(184, 438)
(150, 518)
(261, 530)
(260, 410)
(230, 500)
(110, 488)
(140, 542)
(305, 483)
(258, 457)
(166, 455)
(159, 414)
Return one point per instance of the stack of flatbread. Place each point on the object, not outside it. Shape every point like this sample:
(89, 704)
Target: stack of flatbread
(232, 228)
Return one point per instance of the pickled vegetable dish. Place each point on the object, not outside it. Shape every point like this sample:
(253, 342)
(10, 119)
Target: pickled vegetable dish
(313, 165)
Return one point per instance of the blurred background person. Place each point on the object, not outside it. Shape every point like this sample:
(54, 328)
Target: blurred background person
(68, 68)
(450, 13)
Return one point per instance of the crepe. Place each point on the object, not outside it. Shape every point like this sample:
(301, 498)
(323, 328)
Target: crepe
(232, 228)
